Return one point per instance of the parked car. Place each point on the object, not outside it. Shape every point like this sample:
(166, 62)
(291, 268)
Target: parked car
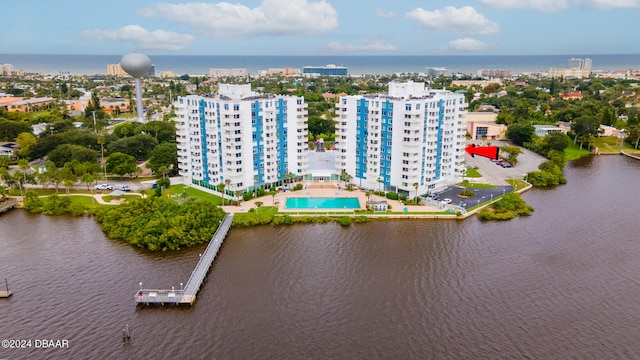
(123, 187)
(507, 165)
(104, 187)
(446, 200)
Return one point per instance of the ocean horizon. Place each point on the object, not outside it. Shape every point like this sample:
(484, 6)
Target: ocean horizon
(356, 64)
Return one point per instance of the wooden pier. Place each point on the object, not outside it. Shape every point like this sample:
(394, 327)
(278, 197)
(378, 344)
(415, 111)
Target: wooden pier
(187, 295)
(630, 155)
(7, 205)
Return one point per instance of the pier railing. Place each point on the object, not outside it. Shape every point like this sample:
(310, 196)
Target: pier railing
(187, 294)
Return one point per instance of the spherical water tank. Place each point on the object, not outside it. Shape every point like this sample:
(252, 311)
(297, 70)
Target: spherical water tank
(136, 64)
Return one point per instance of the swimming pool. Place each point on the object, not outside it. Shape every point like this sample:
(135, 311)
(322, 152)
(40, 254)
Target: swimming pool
(322, 203)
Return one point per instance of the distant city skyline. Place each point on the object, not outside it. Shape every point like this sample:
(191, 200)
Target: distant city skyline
(321, 27)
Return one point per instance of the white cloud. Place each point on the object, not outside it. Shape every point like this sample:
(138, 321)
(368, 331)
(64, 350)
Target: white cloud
(369, 45)
(273, 17)
(542, 5)
(385, 14)
(143, 38)
(561, 5)
(464, 20)
(609, 4)
(467, 45)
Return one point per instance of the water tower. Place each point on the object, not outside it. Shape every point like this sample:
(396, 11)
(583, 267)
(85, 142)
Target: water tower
(137, 65)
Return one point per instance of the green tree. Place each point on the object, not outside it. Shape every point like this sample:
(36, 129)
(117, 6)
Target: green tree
(25, 140)
(165, 154)
(9, 129)
(557, 140)
(88, 178)
(513, 152)
(520, 134)
(121, 164)
(138, 146)
(67, 152)
(584, 127)
(68, 184)
(221, 188)
(162, 131)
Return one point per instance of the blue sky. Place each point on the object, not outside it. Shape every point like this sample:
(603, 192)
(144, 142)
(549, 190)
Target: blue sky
(321, 27)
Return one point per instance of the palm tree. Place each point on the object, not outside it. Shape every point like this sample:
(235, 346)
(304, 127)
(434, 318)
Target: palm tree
(368, 193)
(221, 187)
(227, 182)
(17, 179)
(379, 180)
(88, 179)
(258, 204)
(24, 165)
(68, 183)
(415, 185)
(101, 141)
(273, 194)
(163, 170)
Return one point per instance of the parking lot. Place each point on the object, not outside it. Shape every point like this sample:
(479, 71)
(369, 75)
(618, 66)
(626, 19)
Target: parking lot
(492, 174)
(496, 174)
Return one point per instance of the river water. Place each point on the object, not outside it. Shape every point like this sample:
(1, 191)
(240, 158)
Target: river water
(562, 283)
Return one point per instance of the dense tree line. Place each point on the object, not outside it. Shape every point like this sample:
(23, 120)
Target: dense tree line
(159, 223)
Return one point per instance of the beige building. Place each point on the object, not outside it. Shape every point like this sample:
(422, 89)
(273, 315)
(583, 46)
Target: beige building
(569, 73)
(115, 70)
(469, 83)
(482, 125)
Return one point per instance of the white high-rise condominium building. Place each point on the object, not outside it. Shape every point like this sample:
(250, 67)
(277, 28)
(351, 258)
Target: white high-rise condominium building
(579, 63)
(407, 136)
(241, 138)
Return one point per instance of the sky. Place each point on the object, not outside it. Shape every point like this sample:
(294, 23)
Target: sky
(321, 27)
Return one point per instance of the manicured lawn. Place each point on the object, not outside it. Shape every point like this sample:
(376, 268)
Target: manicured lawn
(573, 152)
(178, 190)
(517, 184)
(85, 201)
(472, 173)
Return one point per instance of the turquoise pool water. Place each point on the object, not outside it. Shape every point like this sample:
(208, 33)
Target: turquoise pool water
(322, 203)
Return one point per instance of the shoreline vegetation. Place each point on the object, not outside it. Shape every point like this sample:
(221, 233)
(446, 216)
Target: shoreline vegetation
(182, 216)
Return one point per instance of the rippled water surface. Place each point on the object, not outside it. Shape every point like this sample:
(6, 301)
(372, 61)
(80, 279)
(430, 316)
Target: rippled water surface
(562, 283)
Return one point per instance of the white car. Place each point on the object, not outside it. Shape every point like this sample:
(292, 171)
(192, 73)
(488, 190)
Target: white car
(104, 187)
(446, 200)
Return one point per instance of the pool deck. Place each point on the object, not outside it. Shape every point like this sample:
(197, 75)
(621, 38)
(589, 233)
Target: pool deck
(321, 189)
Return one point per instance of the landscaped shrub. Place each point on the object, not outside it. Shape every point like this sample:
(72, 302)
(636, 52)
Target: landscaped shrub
(298, 187)
(392, 196)
(344, 221)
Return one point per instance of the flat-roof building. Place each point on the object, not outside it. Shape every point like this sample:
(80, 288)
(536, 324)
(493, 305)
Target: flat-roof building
(411, 134)
(329, 70)
(253, 140)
